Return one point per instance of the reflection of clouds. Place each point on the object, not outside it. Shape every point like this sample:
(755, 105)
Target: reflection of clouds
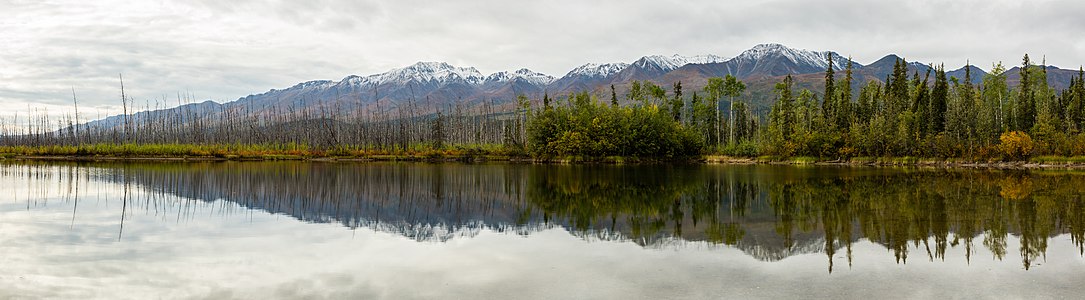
(271, 256)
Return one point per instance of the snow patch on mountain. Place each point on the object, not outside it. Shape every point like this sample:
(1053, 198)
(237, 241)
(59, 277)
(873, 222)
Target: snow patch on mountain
(532, 77)
(422, 72)
(597, 70)
(798, 56)
(704, 59)
(310, 84)
(672, 62)
(433, 71)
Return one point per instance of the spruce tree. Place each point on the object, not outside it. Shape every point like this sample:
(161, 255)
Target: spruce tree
(967, 91)
(613, 96)
(1075, 108)
(1026, 103)
(677, 103)
(921, 105)
(844, 106)
(742, 119)
(939, 95)
(899, 88)
(827, 108)
(787, 110)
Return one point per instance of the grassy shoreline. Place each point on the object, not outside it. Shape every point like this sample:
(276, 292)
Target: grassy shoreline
(1041, 162)
(1046, 162)
(473, 153)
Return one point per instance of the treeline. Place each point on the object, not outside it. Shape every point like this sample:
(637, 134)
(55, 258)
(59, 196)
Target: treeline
(929, 115)
(342, 127)
(907, 114)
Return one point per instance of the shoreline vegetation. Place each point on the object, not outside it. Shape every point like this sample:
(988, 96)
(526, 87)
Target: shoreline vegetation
(906, 120)
(493, 153)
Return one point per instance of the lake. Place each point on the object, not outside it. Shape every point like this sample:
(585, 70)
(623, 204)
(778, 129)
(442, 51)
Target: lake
(247, 230)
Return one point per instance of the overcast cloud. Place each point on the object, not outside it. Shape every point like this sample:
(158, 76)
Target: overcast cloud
(223, 50)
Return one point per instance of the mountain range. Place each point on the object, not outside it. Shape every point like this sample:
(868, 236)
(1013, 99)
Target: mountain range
(439, 84)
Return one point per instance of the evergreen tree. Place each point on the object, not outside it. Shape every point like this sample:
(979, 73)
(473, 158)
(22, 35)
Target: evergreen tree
(868, 99)
(827, 106)
(732, 87)
(898, 89)
(784, 107)
(939, 95)
(921, 106)
(677, 102)
(1026, 102)
(1076, 102)
(844, 106)
(968, 88)
(742, 122)
(613, 96)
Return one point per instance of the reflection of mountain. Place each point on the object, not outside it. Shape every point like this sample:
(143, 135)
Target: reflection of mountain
(769, 212)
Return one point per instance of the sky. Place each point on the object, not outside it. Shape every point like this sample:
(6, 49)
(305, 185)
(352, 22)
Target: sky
(223, 50)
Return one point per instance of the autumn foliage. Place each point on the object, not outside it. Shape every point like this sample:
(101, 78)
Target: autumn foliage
(1015, 145)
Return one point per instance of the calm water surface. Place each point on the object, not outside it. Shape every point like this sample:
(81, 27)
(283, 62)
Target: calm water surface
(453, 231)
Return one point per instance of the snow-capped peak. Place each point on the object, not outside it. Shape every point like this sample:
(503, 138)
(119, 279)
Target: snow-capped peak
(597, 70)
(310, 84)
(436, 72)
(672, 62)
(532, 77)
(313, 83)
(798, 56)
(705, 59)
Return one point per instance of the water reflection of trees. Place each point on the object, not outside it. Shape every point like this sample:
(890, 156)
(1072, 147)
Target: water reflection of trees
(904, 210)
(770, 212)
(934, 210)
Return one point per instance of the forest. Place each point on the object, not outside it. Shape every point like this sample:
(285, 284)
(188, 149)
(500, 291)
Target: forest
(907, 115)
(929, 115)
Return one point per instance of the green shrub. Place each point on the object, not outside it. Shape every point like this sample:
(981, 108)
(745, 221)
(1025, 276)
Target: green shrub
(742, 149)
(592, 130)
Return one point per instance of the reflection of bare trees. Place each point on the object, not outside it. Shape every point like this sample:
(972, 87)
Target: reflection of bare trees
(769, 212)
(421, 201)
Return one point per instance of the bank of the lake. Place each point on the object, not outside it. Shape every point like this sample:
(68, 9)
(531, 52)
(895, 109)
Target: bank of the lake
(1044, 162)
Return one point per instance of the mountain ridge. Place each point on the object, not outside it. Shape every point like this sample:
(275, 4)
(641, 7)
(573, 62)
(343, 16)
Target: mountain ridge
(440, 84)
